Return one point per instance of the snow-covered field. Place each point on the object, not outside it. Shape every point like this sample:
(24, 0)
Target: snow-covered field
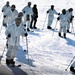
(48, 53)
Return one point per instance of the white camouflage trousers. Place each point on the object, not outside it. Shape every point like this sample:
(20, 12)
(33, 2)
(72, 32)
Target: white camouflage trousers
(62, 29)
(12, 51)
(50, 20)
(27, 22)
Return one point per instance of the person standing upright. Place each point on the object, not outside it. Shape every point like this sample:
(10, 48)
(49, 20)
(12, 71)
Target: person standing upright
(11, 15)
(34, 17)
(27, 10)
(13, 33)
(69, 13)
(63, 23)
(5, 10)
(51, 13)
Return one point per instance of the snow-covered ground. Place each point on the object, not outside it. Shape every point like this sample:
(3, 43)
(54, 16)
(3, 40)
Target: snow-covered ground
(48, 54)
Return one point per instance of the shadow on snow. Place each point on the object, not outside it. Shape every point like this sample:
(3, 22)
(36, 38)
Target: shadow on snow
(23, 57)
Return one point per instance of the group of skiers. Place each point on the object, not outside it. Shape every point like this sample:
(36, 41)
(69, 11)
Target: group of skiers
(30, 15)
(18, 23)
(66, 17)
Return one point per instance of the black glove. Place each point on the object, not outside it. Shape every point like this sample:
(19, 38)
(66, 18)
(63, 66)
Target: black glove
(26, 34)
(58, 18)
(9, 35)
(2, 10)
(47, 11)
(6, 45)
(23, 11)
(70, 20)
(24, 25)
(72, 16)
(58, 13)
(4, 16)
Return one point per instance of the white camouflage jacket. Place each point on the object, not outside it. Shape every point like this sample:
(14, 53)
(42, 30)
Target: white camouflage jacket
(28, 10)
(15, 33)
(63, 20)
(5, 9)
(11, 16)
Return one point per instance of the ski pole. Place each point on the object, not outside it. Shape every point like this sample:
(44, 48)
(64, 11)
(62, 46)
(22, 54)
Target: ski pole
(70, 63)
(56, 24)
(1, 25)
(27, 48)
(28, 55)
(44, 22)
(1, 29)
(26, 43)
(55, 27)
(2, 54)
(72, 28)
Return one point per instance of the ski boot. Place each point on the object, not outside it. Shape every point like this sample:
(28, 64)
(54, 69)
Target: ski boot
(72, 69)
(48, 27)
(59, 34)
(64, 35)
(12, 63)
(28, 29)
(7, 62)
